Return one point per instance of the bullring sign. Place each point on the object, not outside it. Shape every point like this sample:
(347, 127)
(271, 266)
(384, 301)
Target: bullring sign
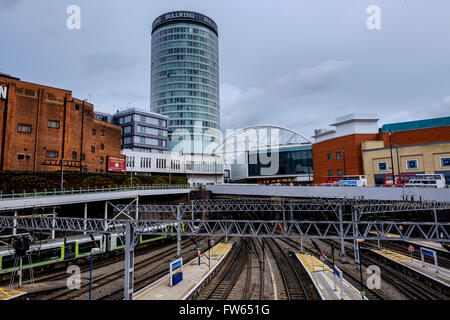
(3, 92)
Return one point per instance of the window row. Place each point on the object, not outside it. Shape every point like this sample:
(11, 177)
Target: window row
(187, 29)
(142, 118)
(159, 40)
(153, 131)
(204, 102)
(199, 52)
(185, 93)
(339, 172)
(181, 80)
(185, 57)
(338, 156)
(206, 124)
(175, 44)
(195, 72)
(189, 108)
(193, 65)
(193, 115)
(175, 86)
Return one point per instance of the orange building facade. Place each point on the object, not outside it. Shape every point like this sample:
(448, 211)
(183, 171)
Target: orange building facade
(339, 152)
(40, 125)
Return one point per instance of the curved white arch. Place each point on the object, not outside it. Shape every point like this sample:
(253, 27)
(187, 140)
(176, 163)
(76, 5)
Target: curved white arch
(259, 127)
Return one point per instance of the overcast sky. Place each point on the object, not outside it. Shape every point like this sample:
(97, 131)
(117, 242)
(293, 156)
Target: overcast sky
(295, 63)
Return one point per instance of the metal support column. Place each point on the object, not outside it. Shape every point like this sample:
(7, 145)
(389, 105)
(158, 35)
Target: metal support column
(53, 223)
(85, 217)
(15, 223)
(137, 208)
(129, 262)
(341, 233)
(179, 231)
(106, 215)
(355, 234)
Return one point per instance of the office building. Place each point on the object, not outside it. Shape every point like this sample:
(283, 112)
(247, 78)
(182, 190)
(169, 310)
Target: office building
(142, 131)
(185, 80)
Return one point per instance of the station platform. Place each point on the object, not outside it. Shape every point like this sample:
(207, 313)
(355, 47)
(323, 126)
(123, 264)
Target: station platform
(193, 276)
(9, 294)
(384, 234)
(323, 279)
(443, 276)
(430, 244)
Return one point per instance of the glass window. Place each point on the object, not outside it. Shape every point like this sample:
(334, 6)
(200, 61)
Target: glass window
(445, 162)
(338, 155)
(102, 147)
(25, 128)
(83, 156)
(101, 159)
(412, 164)
(92, 149)
(329, 156)
(339, 172)
(53, 124)
(102, 132)
(382, 166)
(74, 155)
(20, 156)
(93, 132)
(52, 154)
(330, 172)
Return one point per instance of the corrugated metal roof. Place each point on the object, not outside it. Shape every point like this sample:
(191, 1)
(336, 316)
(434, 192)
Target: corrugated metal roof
(414, 125)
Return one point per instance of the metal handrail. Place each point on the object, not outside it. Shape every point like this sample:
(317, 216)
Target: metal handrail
(54, 192)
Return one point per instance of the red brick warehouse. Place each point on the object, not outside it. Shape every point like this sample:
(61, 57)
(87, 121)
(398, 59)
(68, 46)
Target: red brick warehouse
(39, 125)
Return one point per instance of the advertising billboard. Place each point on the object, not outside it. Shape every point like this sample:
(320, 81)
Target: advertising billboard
(116, 164)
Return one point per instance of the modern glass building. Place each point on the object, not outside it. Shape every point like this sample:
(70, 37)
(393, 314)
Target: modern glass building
(295, 164)
(185, 80)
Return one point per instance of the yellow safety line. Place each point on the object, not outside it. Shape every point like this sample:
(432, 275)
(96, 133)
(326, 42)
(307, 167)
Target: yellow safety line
(312, 263)
(337, 287)
(389, 235)
(14, 292)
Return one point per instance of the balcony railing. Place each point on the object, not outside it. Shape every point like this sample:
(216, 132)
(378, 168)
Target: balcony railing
(55, 192)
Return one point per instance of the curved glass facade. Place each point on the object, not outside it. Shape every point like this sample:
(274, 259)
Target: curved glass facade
(185, 80)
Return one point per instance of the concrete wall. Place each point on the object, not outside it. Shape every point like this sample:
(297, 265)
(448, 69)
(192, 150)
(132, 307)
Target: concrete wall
(332, 192)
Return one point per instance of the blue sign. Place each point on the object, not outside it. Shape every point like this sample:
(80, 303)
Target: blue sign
(428, 253)
(176, 264)
(177, 278)
(338, 273)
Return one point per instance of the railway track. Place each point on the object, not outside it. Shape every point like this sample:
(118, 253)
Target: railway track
(115, 278)
(222, 287)
(406, 284)
(293, 283)
(354, 281)
(58, 271)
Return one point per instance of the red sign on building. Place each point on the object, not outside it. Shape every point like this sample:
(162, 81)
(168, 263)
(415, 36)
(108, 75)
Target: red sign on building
(116, 164)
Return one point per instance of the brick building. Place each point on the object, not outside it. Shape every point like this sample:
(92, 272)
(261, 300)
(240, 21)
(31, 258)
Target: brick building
(358, 147)
(337, 152)
(39, 125)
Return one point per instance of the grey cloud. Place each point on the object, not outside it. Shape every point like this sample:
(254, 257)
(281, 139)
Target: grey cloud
(8, 4)
(100, 63)
(280, 102)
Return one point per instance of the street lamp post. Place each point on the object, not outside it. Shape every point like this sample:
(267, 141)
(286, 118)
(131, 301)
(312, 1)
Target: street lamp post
(392, 160)
(360, 268)
(62, 174)
(90, 272)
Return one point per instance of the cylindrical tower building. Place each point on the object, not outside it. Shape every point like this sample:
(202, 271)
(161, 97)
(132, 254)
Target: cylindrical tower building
(185, 80)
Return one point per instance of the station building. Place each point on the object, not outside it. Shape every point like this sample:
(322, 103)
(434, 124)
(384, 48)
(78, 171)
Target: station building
(40, 125)
(357, 146)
